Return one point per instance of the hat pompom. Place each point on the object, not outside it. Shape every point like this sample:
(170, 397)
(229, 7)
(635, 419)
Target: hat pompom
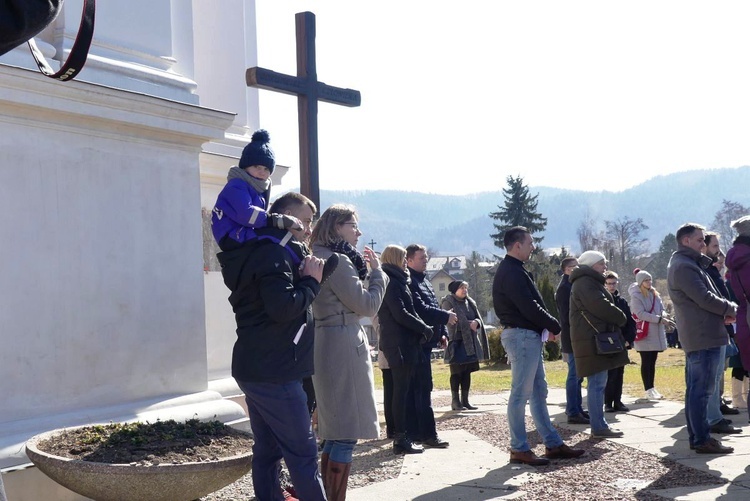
(261, 136)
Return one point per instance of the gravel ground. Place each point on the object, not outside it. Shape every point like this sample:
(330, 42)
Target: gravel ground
(608, 471)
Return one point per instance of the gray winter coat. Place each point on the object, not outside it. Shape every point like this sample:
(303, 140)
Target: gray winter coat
(698, 307)
(343, 379)
(640, 306)
(466, 310)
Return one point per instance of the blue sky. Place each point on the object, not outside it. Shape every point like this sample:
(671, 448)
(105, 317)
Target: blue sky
(457, 96)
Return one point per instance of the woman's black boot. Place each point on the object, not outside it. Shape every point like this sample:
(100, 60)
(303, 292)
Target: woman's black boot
(456, 402)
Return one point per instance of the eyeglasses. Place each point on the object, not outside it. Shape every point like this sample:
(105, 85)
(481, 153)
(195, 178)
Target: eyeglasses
(611, 283)
(354, 226)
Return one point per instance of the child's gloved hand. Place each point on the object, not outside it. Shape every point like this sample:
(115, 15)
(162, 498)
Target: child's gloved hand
(284, 222)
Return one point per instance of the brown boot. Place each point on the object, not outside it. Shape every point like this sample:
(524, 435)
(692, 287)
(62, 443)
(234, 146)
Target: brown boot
(337, 476)
(324, 467)
(527, 457)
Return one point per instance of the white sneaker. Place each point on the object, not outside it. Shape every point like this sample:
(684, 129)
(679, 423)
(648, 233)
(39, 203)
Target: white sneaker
(652, 394)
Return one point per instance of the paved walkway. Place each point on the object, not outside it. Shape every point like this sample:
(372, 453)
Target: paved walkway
(653, 427)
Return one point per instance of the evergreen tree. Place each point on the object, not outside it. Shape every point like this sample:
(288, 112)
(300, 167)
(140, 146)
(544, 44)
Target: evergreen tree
(478, 276)
(658, 266)
(519, 210)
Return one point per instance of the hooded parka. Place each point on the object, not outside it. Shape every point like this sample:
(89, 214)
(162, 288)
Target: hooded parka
(591, 302)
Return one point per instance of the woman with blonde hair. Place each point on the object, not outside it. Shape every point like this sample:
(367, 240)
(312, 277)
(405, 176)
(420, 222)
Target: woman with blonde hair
(401, 333)
(343, 379)
(648, 310)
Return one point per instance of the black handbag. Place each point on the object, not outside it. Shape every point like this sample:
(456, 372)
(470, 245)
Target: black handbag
(21, 20)
(607, 343)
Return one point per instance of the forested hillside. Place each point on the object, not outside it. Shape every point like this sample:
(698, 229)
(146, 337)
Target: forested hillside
(460, 224)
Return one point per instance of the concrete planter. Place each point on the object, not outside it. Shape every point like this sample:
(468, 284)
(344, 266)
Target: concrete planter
(123, 482)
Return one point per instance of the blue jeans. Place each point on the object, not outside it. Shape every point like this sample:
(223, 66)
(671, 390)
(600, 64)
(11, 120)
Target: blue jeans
(281, 427)
(574, 403)
(700, 383)
(714, 403)
(528, 384)
(340, 450)
(595, 396)
(420, 418)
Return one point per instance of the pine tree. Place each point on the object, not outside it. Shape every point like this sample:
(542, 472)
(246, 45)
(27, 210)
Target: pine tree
(519, 210)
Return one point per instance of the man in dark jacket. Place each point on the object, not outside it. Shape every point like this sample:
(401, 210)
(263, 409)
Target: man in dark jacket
(525, 321)
(271, 294)
(613, 390)
(420, 416)
(716, 407)
(700, 313)
(574, 400)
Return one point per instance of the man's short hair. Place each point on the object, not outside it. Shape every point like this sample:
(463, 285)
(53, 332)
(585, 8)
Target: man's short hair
(289, 200)
(686, 230)
(611, 274)
(413, 249)
(567, 262)
(707, 236)
(513, 235)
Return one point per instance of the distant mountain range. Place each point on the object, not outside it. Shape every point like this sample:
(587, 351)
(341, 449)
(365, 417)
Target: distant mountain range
(459, 224)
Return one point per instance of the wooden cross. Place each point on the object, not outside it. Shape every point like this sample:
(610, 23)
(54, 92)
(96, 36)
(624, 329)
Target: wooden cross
(308, 91)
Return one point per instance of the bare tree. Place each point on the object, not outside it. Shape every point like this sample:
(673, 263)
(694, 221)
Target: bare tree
(729, 212)
(587, 232)
(625, 237)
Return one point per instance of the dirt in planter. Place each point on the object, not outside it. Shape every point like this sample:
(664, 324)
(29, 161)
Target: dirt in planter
(150, 443)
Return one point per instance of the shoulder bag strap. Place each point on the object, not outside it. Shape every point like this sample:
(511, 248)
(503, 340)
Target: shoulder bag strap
(79, 51)
(586, 318)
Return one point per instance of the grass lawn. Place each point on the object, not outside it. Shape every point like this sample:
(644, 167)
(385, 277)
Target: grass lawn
(670, 376)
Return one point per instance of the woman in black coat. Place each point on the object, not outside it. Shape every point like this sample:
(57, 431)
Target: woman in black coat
(401, 333)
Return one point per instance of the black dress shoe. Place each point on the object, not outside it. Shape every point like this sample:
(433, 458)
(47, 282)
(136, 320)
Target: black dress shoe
(725, 409)
(578, 419)
(620, 407)
(713, 446)
(403, 445)
(562, 452)
(609, 408)
(725, 428)
(434, 443)
(586, 414)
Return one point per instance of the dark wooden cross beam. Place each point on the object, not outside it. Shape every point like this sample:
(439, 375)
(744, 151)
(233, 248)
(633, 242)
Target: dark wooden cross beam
(308, 91)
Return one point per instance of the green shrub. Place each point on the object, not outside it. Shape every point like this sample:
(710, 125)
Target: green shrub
(497, 352)
(552, 350)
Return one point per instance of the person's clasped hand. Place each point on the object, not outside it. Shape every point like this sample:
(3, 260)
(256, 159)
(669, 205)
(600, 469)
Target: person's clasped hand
(312, 266)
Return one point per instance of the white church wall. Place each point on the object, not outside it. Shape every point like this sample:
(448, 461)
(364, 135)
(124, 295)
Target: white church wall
(103, 292)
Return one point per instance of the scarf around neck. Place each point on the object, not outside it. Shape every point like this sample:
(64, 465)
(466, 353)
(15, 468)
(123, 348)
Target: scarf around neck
(344, 247)
(260, 185)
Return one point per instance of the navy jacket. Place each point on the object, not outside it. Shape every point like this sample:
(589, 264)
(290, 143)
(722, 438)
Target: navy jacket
(517, 301)
(562, 299)
(401, 329)
(628, 332)
(271, 303)
(428, 308)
